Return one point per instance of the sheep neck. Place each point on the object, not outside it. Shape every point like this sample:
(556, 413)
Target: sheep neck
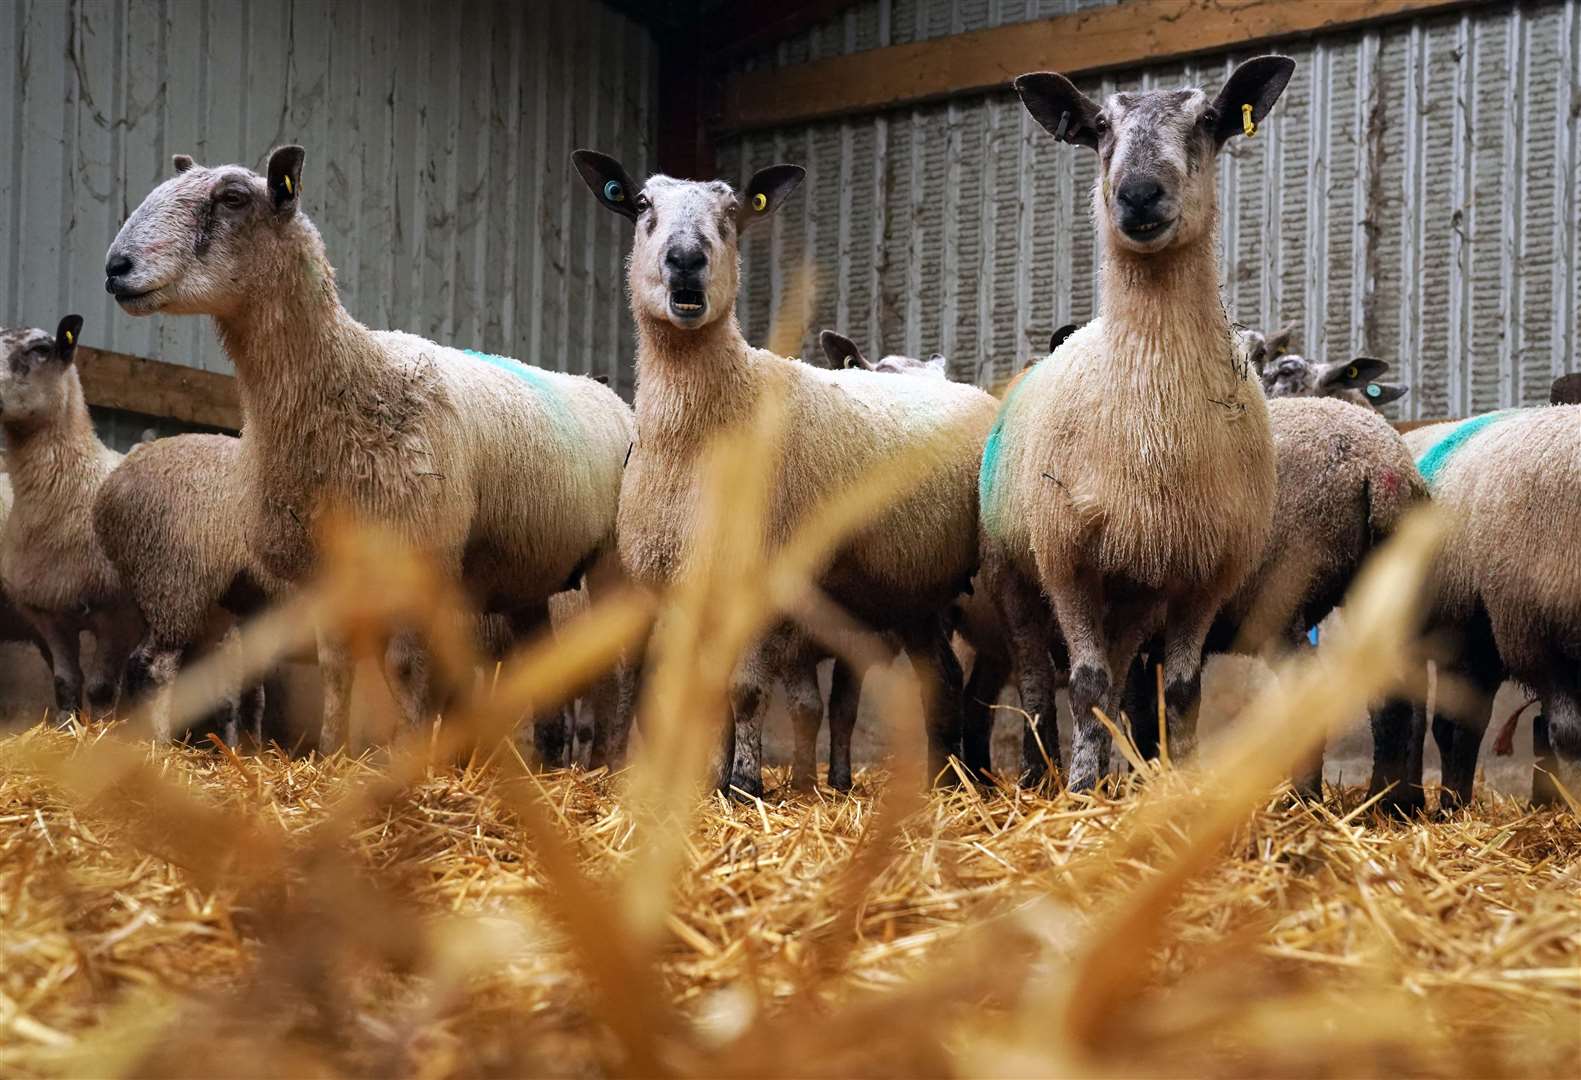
(294, 346)
(1163, 319)
(54, 452)
(691, 383)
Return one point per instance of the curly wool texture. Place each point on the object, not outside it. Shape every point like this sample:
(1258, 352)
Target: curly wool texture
(1346, 479)
(1510, 496)
(508, 474)
(1140, 448)
(169, 521)
(50, 559)
(840, 426)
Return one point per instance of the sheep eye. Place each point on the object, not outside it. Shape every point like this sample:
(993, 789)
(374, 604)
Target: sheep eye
(641, 203)
(234, 199)
(1210, 117)
(1100, 124)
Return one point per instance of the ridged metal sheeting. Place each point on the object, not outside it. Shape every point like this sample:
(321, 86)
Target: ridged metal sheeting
(438, 169)
(1414, 196)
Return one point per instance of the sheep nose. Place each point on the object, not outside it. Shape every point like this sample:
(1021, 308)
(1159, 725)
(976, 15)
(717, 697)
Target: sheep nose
(1140, 196)
(116, 266)
(685, 260)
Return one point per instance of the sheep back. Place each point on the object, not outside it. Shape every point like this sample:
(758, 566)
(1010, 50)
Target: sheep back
(1510, 491)
(167, 520)
(840, 426)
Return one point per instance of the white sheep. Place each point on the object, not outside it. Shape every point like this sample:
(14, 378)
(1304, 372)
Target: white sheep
(50, 564)
(504, 473)
(1130, 477)
(698, 378)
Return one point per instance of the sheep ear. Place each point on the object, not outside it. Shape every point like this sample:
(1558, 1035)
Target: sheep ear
(182, 162)
(1352, 376)
(1279, 344)
(1380, 394)
(1258, 83)
(767, 190)
(1057, 338)
(66, 335)
(285, 177)
(607, 177)
(841, 350)
(1566, 390)
(1064, 111)
(938, 365)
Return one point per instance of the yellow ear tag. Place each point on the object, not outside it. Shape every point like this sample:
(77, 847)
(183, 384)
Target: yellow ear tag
(1247, 122)
(1351, 372)
(760, 202)
(288, 189)
(69, 339)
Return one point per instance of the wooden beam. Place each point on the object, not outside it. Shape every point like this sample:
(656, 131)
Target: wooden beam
(1127, 35)
(118, 381)
(735, 30)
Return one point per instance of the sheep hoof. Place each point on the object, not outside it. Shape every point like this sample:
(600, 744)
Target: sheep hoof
(803, 781)
(840, 779)
(744, 788)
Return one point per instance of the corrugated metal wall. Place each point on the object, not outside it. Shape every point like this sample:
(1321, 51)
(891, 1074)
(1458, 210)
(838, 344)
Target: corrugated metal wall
(438, 169)
(1414, 196)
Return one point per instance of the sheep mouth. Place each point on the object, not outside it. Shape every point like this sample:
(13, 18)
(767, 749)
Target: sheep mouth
(132, 301)
(688, 305)
(1147, 232)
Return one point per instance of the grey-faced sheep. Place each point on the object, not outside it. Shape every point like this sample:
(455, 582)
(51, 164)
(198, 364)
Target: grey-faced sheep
(697, 378)
(50, 564)
(506, 474)
(842, 352)
(1355, 380)
(1130, 478)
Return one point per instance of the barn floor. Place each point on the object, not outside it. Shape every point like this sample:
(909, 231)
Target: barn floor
(182, 912)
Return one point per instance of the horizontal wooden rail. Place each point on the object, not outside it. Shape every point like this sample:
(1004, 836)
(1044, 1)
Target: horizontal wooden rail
(1123, 36)
(118, 381)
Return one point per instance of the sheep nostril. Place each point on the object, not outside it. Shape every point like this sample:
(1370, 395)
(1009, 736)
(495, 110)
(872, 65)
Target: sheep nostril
(117, 266)
(686, 260)
(1140, 195)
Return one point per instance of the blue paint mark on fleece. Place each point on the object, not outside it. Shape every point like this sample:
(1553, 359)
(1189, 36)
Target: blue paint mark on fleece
(988, 472)
(1432, 463)
(529, 375)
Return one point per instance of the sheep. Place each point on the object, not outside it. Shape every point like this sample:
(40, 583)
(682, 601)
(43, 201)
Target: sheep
(14, 626)
(506, 475)
(1354, 381)
(1566, 390)
(1505, 600)
(697, 378)
(842, 352)
(1129, 479)
(50, 564)
(169, 520)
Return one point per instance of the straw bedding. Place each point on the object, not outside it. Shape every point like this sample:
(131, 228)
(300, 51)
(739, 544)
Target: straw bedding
(1324, 941)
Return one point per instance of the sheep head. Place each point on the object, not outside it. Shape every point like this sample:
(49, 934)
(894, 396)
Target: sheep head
(33, 372)
(208, 240)
(685, 265)
(1156, 149)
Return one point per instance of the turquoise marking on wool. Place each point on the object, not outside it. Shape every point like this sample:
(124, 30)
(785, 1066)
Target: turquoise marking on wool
(527, 374)
(988, 472)
(1432, 463)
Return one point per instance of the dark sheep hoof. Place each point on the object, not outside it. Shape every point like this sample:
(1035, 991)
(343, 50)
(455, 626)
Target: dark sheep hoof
(1083, 782)
(1033, 776)
(745, 788)
(840, 780)
(803, 782)
(1401, 805)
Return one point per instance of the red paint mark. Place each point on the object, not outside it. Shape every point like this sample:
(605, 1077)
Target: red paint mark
(1390, 480)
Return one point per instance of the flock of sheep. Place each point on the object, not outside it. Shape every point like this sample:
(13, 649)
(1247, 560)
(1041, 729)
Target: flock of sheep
(1160, 487)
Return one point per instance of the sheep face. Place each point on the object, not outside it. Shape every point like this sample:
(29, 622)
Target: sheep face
(33, 367)
(1290, 376)
(685, 265)
(206, 240)
(1156, 149)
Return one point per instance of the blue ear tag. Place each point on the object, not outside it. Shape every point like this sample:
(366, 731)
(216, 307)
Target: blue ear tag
(1374, 390)
(613, 191)
(1312, 636)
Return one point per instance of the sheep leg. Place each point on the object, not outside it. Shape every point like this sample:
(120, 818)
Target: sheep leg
(115, 633)
(1562, 713)
(845, 696)
(749, 700)
(1544, 765)
(1078, 606)
(336, 668)
(939, 673)
(63, 648)
(1307, 776)
(989, 675)
(1025, 616)
(1394, 727)
(1140, 699)
(409, 675)
(614, 696)
(806, 710)
(1185, 633)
